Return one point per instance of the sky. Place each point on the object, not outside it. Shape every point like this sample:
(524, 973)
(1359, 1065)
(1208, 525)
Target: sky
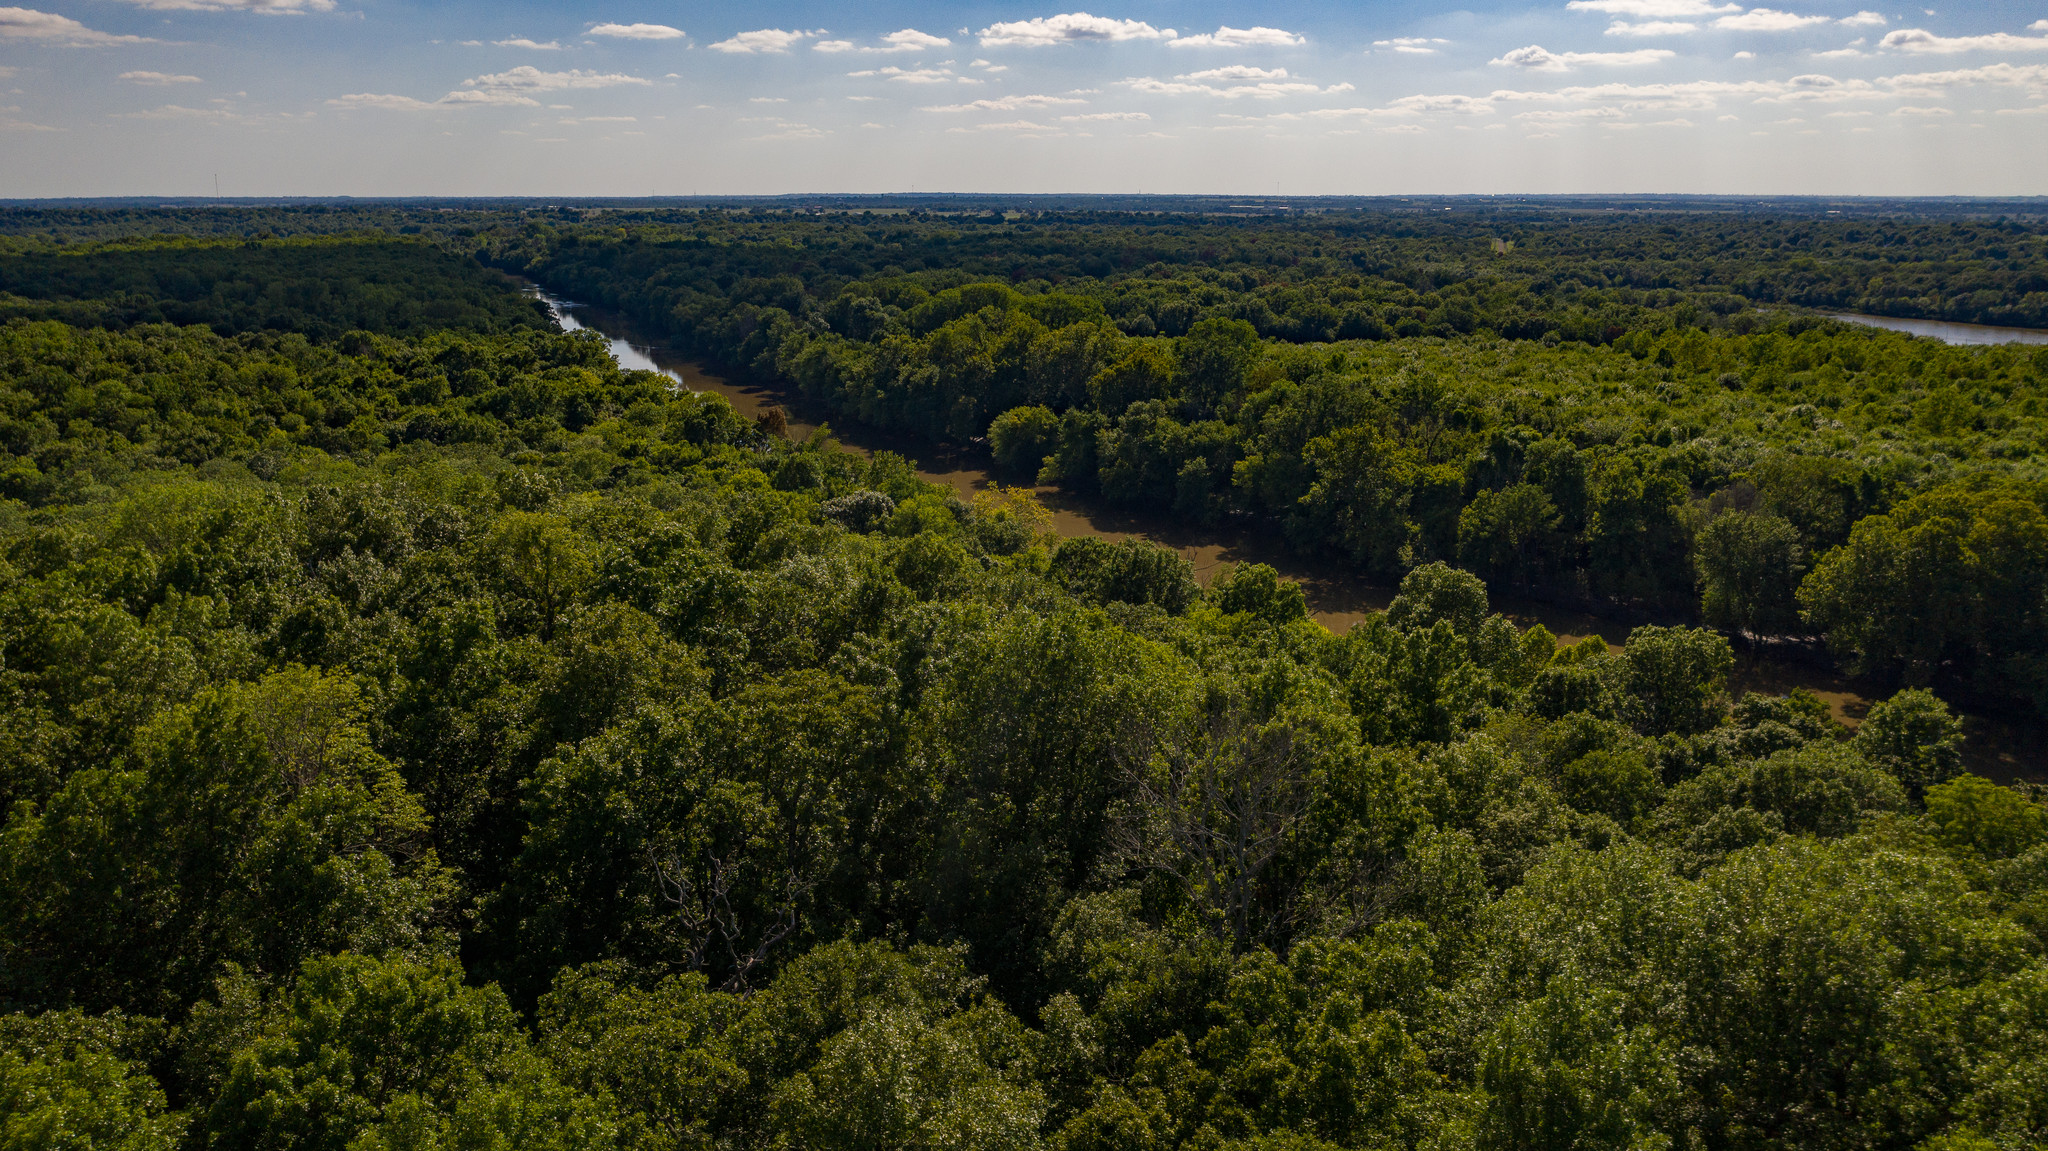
(654, 97)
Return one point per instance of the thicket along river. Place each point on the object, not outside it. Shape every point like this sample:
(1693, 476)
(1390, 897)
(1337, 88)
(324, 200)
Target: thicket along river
(1337, 599)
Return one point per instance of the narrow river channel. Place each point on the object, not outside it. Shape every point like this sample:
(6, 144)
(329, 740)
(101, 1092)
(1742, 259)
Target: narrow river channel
(1337, 598)
(1946, 332)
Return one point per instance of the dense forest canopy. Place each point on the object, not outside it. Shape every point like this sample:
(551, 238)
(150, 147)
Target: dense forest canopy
(425, 734)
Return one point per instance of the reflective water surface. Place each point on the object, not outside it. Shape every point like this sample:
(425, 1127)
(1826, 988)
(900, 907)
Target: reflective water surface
(1946, 332)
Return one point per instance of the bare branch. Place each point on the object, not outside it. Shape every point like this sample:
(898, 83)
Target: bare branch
(1219, 803)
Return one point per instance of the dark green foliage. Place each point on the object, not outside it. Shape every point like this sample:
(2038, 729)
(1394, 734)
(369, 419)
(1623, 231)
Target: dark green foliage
(70, 1080)
(1021, 438)
(1749, 565)
(1439, 592)
(254, 825)
(1675, 679)
(1258, 589)
(363, 1053)
(1618, 784)
(1954, 582)
(1127, 571)
(1978, 817)
(1913, 736)
(1504, 533)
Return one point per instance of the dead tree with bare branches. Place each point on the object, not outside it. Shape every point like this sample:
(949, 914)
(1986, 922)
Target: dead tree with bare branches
(703, 894)
(1217, 802)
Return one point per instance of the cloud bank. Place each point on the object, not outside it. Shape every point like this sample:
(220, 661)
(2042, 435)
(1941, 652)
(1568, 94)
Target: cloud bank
(636, 31)
(1069, 28)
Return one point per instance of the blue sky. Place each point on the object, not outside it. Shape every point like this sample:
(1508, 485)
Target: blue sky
(630, 97)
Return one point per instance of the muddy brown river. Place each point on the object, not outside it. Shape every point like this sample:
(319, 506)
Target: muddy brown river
(1997, 747)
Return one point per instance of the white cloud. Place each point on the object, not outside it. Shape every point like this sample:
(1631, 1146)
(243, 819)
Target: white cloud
(157, 78)
(1005, 104)
(1696, 94)
(1552, 117)
(1067, 28)
(1413, 45)
(2038, 26)
(2033, 77)
(1653, 9)
(1841, 54)
(1744, 56)
(1263, 90)
(1767, 20)
(1405, 106)
(914, 75)
(1236, 72)
(1651, 28)
(267, 7)
(760, 40)
(1909, 110)
(1817, 88)
(1921, 41)
(1008, 126)
(50, 28)
(523, 42)
(1253, 37)
(912, 40)
(1864, 19)
(636, 31)
(1539, 59)
(1810, 88)
(179, 112)
(511, 88)
(1109, 116)
(382, 101)
(527, 78)
(1454, 105)
(907, 40)
(493, 97)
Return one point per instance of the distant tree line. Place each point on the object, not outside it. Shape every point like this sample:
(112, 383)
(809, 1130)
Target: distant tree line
(319, 288)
